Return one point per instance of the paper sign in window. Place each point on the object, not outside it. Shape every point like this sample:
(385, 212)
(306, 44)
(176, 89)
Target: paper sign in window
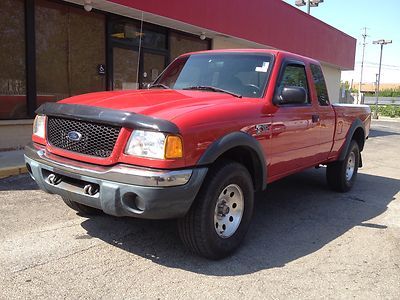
(264, 68)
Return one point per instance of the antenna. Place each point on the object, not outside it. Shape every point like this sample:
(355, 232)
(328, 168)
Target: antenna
(364, 35)
(140, 48)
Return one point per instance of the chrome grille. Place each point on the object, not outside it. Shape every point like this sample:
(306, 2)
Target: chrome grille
(94, 139)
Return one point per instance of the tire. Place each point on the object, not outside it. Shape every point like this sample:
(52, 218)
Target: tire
(221, 214)
(83, 210)
(341, 175)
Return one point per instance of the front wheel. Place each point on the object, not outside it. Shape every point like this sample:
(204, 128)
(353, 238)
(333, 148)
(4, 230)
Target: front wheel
(221, 213)
(341, 175)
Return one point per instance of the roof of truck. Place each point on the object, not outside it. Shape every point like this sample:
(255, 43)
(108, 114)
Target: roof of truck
(274, 52)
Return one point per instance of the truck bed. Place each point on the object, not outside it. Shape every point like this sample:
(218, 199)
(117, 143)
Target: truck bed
(345, 116)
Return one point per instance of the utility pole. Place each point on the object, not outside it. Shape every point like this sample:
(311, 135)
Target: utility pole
(364, 35)
(379, 42)
(375, 115)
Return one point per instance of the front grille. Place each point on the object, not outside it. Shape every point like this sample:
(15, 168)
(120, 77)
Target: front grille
(82, 137)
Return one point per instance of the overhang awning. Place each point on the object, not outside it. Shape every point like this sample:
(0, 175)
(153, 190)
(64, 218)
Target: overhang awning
(271, 23)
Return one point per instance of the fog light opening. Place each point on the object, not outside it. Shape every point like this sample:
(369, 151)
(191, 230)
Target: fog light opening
(134, 202)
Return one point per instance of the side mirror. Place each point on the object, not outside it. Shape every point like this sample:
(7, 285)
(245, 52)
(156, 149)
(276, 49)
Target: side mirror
(291, 95)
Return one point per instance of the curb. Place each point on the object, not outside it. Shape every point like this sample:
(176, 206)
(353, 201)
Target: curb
(11, 171)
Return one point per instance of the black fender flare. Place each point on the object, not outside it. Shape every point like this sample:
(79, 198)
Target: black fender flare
(233, 140)
(356, 124)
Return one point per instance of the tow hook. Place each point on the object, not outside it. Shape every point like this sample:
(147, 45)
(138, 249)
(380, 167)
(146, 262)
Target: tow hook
(90, 189)
(54, 179)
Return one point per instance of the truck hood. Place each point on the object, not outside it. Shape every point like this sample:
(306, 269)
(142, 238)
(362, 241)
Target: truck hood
(164, 104)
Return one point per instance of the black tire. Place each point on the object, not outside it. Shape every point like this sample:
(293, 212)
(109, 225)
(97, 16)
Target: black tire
(83, 210)
(336, 172)
(197, 229)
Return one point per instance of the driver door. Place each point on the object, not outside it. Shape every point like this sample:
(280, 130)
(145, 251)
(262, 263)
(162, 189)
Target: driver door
(294, 126)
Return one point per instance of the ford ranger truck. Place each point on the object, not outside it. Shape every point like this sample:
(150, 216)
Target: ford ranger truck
(213, 128)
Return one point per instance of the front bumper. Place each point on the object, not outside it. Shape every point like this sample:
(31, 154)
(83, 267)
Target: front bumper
(120, 190)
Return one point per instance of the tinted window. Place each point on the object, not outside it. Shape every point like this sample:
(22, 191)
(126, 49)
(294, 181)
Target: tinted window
(320, 86)
(244, 74)
(12, 60)
(130, 32)
(67, 57)
(183, 43)
(294, 76)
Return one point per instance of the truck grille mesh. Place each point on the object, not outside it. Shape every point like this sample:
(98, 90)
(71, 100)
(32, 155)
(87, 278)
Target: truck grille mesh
(95, 139)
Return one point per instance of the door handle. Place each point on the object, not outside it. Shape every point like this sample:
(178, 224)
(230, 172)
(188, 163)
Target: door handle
(315, 118)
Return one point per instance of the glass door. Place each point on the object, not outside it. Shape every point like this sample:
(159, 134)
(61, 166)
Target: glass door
(153, 65)
(129, 67)
(125, 69)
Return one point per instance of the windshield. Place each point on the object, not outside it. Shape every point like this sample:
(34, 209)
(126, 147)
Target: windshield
(243, 74)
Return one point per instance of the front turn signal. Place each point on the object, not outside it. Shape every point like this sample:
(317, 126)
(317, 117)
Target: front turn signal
(173, 147)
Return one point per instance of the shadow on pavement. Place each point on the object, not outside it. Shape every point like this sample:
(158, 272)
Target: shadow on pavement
(18, 183)
(293, 218)
(380, 133)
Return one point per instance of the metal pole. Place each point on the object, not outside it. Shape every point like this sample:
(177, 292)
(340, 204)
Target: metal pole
(379, 81)
(308, 6)
(362, 68)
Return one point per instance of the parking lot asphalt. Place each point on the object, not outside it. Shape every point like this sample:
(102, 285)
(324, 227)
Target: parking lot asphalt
(305, 241)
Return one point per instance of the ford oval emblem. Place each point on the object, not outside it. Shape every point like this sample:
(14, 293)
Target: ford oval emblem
(74, 136)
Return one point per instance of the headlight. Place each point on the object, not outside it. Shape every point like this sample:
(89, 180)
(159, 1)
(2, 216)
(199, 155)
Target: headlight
(154, 145)
(39, 126)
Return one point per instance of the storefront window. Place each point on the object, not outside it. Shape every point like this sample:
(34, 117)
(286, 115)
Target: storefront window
(153, 65)
(129, 32)
(12, 60)
(70, 46)
(181, 43)
(130, 72)
(125, 62)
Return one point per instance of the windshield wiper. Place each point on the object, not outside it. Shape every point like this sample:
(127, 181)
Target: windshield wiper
(159, 85)
(211, 88)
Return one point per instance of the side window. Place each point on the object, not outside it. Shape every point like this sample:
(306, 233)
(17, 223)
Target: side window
(320, 86)
(294, 75)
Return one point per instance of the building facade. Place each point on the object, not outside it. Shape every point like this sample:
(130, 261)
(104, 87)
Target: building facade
(53, 49)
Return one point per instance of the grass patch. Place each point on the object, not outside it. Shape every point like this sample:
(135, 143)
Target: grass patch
(392, 111)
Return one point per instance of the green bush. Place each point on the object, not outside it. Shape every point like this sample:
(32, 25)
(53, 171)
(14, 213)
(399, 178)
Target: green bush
(392, 111)
(395, 92)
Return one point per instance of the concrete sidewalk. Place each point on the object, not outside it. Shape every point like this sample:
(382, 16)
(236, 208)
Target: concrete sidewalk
(12, 163)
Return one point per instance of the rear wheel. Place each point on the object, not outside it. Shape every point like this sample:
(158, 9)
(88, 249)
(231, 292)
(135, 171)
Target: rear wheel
(84, 210)
(341, 175)
(221, 213)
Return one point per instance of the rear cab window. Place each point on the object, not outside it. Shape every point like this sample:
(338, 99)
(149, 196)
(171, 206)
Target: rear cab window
(320, 85)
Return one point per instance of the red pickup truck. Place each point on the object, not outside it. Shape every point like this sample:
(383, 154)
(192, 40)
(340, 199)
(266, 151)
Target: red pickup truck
(212, 129)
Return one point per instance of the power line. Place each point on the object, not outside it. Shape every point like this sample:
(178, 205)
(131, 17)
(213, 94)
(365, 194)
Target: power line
(374, 63)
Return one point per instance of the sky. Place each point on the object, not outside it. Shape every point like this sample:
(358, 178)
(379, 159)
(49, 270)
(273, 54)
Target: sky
(382, 19)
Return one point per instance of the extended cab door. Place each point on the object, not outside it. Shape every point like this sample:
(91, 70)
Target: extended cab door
(326, 114)
(294, 131)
